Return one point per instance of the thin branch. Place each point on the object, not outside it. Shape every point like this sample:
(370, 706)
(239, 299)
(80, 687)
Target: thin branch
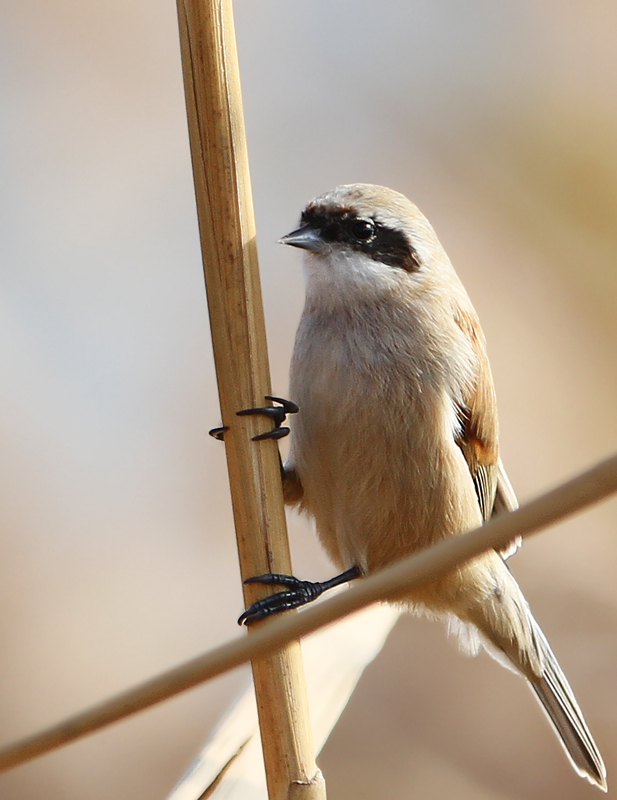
(574, 495)
(227, 232)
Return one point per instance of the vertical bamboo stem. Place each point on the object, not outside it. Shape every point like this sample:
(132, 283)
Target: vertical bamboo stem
(227, 230)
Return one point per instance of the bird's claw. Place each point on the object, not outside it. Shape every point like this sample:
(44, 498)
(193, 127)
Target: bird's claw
(297, 594)
(277, 414)
(219, 433)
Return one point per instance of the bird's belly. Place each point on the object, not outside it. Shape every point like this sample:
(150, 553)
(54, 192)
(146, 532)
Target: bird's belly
(381, 472)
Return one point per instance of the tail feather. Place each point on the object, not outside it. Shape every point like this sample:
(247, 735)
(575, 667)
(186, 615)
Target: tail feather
(554, 693)
(511, 634)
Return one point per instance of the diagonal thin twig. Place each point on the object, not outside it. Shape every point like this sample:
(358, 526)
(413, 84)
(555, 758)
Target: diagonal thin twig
(570, 497)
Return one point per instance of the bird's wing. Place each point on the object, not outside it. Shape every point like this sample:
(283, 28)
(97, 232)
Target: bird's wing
(478, 437)
(505, 500)
(479, 433)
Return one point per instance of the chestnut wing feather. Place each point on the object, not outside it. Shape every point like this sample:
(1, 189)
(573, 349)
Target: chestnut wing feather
(478, 438)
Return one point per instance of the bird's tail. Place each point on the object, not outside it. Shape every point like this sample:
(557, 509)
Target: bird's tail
(508, 625)
(557, 698)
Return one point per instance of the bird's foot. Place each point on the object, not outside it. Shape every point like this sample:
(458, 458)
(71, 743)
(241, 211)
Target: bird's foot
(298, 593)
(277, 414)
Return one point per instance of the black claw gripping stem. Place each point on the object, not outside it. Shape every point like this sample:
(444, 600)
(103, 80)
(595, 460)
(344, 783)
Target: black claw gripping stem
(277, 414)
(297, 594)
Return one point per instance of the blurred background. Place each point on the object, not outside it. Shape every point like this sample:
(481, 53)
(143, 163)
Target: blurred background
(118, 557)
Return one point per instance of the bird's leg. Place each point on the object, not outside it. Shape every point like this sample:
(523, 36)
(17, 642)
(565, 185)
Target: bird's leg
(277, 414)
(297, 594)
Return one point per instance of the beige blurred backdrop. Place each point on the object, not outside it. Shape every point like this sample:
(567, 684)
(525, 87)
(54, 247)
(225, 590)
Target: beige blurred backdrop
(118, 558)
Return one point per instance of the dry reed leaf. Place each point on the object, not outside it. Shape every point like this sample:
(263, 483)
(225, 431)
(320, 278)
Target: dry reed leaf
(230, 767)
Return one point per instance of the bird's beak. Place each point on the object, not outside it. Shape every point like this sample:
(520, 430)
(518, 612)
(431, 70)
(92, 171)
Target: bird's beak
(305, 237)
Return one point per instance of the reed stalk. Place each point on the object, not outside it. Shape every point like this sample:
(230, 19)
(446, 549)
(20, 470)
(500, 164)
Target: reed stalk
(227, 232)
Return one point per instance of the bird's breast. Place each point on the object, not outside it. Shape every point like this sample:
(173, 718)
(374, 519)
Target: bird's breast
(373, 442)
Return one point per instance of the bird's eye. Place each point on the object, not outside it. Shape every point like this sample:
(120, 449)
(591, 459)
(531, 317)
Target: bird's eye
(363, 229)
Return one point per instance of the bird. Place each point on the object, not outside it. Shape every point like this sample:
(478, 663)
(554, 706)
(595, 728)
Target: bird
(395, 445)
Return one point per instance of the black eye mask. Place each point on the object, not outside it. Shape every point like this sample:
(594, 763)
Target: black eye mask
(363, 234)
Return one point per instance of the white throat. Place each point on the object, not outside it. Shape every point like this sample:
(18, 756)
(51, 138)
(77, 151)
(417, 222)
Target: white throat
(341, 275)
